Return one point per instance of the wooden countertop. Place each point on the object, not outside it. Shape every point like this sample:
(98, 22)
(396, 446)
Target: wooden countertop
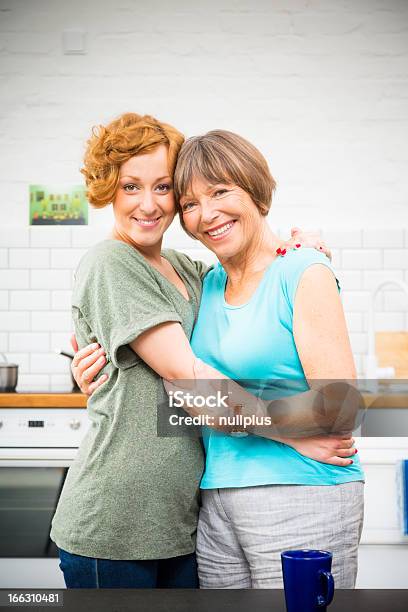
(43, 400)
(78, 400)
(384, 400)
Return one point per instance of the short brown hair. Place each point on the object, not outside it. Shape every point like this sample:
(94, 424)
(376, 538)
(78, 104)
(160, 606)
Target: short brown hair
(224, 157)
(111, 145)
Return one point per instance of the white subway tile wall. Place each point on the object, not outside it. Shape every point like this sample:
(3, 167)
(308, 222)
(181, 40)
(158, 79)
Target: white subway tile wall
(29, 258)
(31, 342)
(52, 279)
(4, 300)
(319, 86)
(3, 258)
(42, 237)
(15, 279)
(14, 237)
(3, 342)
(32, 300)
(23, 360)
(377, 238)
(35, 314)
(324, 99)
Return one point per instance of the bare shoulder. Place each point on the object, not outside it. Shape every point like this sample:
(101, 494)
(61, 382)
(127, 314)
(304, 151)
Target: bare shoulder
(317, 275)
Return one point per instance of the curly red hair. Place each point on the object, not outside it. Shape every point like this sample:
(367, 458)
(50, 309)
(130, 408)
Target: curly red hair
(111, 145)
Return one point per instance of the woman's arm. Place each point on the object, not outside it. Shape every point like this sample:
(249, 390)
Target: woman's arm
(166, 350)
(88, 361)
(320, 329)
(323, 345)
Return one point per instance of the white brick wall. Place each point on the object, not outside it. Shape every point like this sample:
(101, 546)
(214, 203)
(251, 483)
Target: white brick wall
(372, 278)
(3, 342)
(3, 258)
(14, 279)
(369, 259)
(32, 300)
(66, 258)
(319, 86)
(15, 321)
(4, 300)
(13, 236)
(35, 319)
(42, 237)
(396, 259)
(61, 300)
(51, 321)
(29, 258)
(31, 342)
(52, 279)
(392, 238)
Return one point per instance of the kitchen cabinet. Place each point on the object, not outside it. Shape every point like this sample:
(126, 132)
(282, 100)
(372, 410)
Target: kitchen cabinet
(383, 553)
(39, 438)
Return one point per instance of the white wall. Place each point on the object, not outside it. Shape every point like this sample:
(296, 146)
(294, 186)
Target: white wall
(36, 271)
(319, 85)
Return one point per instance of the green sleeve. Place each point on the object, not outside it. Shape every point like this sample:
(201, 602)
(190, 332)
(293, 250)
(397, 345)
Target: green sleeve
(199, 267)
(202, 268)
(117, 298)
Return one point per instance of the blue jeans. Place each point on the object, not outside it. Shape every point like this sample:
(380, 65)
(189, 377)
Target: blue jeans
(90, 573)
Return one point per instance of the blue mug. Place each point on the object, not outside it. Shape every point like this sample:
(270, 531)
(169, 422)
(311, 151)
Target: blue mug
(309, 585)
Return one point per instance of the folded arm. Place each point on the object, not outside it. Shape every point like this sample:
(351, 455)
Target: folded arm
(323, 345)
(165, 348)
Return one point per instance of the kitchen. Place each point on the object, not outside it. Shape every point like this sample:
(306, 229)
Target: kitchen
(57, 62)
(44, 412)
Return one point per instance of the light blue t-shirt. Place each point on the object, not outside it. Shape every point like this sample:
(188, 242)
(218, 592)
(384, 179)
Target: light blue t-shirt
(253, 344)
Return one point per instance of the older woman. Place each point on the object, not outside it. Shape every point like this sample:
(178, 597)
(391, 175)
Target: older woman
(263, 319)
(127, 514)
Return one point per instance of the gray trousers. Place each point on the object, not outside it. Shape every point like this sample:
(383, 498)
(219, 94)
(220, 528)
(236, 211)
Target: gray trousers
(242, 531)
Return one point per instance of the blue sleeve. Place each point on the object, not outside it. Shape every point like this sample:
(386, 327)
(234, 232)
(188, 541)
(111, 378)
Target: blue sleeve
(296, 263)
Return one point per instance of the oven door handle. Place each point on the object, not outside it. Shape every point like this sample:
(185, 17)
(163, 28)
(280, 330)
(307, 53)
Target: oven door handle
(35, 463)
(37, 457)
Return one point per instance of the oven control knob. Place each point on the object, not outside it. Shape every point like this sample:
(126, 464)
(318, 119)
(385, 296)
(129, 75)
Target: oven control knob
(75, 424)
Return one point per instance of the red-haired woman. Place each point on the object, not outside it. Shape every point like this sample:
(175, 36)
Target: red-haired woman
(128, 512)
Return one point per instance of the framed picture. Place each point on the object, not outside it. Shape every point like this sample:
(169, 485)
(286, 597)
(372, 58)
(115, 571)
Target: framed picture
(58, 205)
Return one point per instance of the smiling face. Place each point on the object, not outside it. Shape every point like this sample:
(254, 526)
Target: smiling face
(221, 216)
(144, 202)
(224, 190)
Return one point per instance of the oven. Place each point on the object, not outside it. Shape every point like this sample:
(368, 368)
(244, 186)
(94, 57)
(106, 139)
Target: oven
(37, 446)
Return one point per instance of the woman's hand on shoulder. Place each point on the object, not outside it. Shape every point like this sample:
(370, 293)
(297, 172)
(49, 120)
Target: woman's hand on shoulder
(299, 239)
(86, 364)
(334, 450)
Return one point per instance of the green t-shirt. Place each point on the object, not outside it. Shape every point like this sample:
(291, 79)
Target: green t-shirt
(130, 494)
